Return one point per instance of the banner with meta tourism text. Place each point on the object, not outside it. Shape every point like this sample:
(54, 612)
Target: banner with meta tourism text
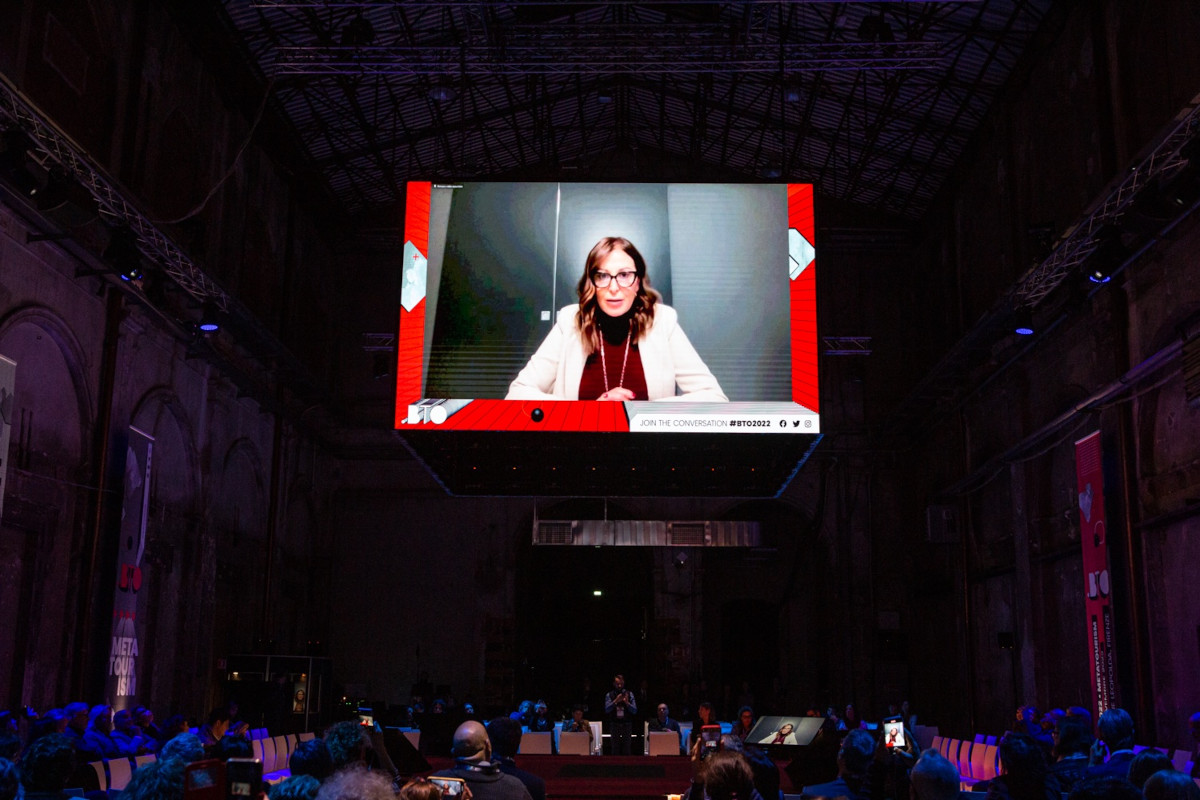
(8, 385)
(121, 682)
(1093, 527)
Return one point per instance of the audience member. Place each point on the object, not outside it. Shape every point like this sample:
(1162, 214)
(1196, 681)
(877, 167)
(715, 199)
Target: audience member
(1115, 731)
(232, 746)
(524, 713)
(144, 719)
(726, 775)
(1145, 764)
(1170, 784)
(356, 783)
(10, 745)
(933, 778)
(312, 759)
(98, 736)
(1072, 742)
(186, 747)
(706, 715)
(1102, 787)
(158, 780)
(347, 745)
(577, 724)
(211, 732)
(10, 780)
(53, 721)
(46, 766)
(766, 773)
(174, 726)
(472, 763)
(662, 720)
(744, 722)
(1194, 727)
(1024, 765)
(854, 763)
(418, 789)
(297, 787)
(505, 737)
(126, 734)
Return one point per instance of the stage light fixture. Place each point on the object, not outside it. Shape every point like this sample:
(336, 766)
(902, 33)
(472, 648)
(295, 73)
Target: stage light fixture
(1110, 254)
(210, 321)
(1023, 323)
(123, 254)
(442, 94)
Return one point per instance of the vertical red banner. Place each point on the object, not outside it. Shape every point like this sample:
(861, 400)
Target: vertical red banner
(122, 678)
(802, 275)
(410, 340)
(1093, 526)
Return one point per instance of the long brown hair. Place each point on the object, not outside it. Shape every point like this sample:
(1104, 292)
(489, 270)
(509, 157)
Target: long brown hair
(643, 303)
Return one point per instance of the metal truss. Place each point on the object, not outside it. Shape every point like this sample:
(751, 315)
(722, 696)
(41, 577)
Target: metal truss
(1081, 240)
(561, 57)
(847, 345)
(112, 204)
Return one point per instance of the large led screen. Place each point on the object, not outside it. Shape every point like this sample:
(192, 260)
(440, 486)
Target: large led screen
(665, 307)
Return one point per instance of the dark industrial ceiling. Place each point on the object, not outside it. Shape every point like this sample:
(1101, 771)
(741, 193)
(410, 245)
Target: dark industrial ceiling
(872, 102)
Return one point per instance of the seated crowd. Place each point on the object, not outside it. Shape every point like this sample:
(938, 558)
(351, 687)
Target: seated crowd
(1052, 756)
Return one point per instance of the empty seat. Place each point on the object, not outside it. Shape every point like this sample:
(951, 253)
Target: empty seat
(990, 740)
(991, 755)
(936, 744)
(281, 753)
(963, 762)
(980, 738)
(119, 772)
(141, 761)
(101, 776)
(978, 766)
(268, 756)
(306, 736)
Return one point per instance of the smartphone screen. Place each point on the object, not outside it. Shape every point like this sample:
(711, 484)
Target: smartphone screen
(243, 778)
(711, 735)
(451, 787)
(204, 780)
(893, 733)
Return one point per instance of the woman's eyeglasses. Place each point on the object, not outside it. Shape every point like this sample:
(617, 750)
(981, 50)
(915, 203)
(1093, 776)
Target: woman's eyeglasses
(625, 279)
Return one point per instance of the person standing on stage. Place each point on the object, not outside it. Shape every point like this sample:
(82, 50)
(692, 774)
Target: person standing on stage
(620, 706)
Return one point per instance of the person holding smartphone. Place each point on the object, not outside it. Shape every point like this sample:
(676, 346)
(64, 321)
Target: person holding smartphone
(473, 765)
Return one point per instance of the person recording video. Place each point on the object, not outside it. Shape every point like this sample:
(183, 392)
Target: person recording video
(620, 342)
(620, 705)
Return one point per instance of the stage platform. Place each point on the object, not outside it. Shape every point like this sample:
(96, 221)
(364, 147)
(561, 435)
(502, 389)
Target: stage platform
(608, 777)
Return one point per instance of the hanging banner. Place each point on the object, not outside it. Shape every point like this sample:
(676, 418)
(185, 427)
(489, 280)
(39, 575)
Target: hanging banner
(1093, 526)
(8, 385)
(121, 682)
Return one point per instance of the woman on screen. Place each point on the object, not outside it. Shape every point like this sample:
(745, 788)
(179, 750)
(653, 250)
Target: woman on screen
(785, 735)
(619, 343)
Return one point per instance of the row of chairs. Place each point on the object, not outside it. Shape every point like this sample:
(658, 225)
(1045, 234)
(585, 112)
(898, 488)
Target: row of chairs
(975, 760)
(274, 752)
(979, 759)
(114, 773)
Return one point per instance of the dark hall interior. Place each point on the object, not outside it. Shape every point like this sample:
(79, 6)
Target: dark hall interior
(973, 163)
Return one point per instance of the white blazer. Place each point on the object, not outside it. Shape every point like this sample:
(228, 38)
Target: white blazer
(668, 359)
